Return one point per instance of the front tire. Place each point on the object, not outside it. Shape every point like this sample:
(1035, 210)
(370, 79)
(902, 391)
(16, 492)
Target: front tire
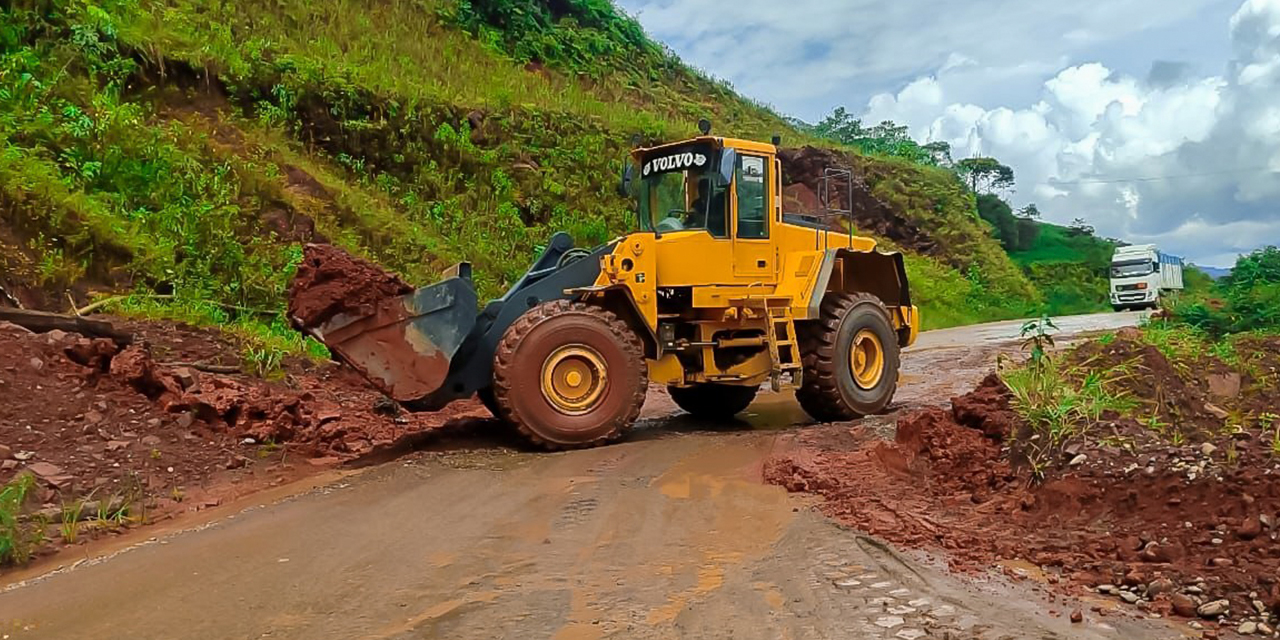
(569, 375)
(850, 357)
(717, 402)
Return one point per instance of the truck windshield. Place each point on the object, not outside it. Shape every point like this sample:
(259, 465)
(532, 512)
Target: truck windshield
(675, 199)
(1131, 268)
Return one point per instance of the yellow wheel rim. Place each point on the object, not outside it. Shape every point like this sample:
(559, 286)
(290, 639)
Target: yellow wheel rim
(866, 359)
(573, 379)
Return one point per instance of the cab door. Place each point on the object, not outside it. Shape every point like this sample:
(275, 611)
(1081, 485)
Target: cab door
(753, 253)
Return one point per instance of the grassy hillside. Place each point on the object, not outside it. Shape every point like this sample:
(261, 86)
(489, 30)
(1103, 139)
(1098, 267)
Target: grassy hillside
(188, 147)
(1070, 267)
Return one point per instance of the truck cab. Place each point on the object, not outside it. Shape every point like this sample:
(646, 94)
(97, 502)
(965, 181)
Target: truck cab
(1141, 274)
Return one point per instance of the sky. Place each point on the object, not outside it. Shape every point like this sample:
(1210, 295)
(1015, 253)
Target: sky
(1157, 121)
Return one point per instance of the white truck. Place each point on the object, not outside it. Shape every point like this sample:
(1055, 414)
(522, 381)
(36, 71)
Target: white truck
(1140, 274)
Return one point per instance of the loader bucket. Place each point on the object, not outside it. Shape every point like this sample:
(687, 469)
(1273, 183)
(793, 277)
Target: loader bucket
(405, 347)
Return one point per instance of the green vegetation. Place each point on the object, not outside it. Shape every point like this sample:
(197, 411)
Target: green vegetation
(187, 148)
(70, 527)
(1060, 402)
(1098, 390)
(1247, 300)
(265, 338)
(886, 139)
(1070, 265)
(1058, 244)
(19, 533)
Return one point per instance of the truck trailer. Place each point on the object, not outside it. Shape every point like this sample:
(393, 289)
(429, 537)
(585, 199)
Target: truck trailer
(1141, 274)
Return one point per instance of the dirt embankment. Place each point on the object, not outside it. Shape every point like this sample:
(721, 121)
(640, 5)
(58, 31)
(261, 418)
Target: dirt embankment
(331, 282)
(1191, 529)
(802, 172)
(87, 417)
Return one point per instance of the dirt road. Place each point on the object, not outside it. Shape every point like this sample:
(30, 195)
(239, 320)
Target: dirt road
(668, 535)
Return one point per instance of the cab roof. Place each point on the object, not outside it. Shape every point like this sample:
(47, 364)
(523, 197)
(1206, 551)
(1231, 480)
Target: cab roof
(718, 141)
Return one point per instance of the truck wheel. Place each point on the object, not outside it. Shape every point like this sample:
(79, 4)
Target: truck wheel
(569, 375)
(850, 358)
(713, 401)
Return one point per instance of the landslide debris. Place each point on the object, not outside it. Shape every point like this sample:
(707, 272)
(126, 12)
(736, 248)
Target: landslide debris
(84, 414)
(1189, 529)
(331, 282)
(802, 172)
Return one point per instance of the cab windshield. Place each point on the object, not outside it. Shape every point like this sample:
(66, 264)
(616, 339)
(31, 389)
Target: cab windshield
(680, 191)
(1131, 268)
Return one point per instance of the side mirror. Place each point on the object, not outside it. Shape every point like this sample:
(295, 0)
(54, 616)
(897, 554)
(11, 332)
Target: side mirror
(624, 185)
(728, 162)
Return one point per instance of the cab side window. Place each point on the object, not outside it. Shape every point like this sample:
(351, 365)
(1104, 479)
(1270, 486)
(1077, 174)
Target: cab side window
(751, 181)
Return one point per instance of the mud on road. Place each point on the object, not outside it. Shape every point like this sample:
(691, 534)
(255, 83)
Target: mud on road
(671, 534)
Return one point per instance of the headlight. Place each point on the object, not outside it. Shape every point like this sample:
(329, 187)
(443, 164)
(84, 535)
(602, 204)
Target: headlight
(1142, 285)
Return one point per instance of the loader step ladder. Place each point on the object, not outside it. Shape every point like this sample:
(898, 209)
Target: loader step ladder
(783, 346)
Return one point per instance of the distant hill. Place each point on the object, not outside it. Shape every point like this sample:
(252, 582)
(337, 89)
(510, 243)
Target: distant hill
(1069, 266)
(1213, 272)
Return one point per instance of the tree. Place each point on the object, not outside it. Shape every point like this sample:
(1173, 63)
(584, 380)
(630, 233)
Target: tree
(941, 152)
(1015, 233)
(985, 175)
(1030, 211)
(1028, 232)
(841, 126)
(887, 138)
(1079, 227)
(997, 212)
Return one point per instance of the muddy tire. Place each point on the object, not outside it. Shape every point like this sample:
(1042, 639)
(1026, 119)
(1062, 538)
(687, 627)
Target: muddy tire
(850, 359)
(569, 375)
(717, 402)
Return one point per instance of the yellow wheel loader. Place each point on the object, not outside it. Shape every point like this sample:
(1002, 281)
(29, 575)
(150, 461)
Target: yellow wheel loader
(718, 293)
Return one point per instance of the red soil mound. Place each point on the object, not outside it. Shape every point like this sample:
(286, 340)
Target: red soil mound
(802, 170)
(331, 281)
(1170, 526)
(81, 413)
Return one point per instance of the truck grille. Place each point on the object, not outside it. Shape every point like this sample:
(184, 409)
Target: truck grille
(1132, 297)
(1126, 287)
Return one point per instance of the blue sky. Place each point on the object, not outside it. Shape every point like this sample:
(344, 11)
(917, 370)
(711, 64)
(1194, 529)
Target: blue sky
(1156, 121)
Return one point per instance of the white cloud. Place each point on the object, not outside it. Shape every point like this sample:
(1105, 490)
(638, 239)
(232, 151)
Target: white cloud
(809, 56)
(1097, 142)
(1077, 98)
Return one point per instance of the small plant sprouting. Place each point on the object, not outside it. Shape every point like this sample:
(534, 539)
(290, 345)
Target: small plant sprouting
(19, 536)
(1271, 422)
(70, 527)
(268, 447)
(1037, 339)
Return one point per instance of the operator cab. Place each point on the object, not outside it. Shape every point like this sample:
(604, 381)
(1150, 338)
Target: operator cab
(693, 186)
(712, 202)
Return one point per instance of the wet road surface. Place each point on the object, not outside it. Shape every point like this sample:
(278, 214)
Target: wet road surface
(668, 535)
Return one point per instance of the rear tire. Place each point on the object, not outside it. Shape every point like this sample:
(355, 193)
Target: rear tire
(850, 357)
(719, 402)
(569, 375)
